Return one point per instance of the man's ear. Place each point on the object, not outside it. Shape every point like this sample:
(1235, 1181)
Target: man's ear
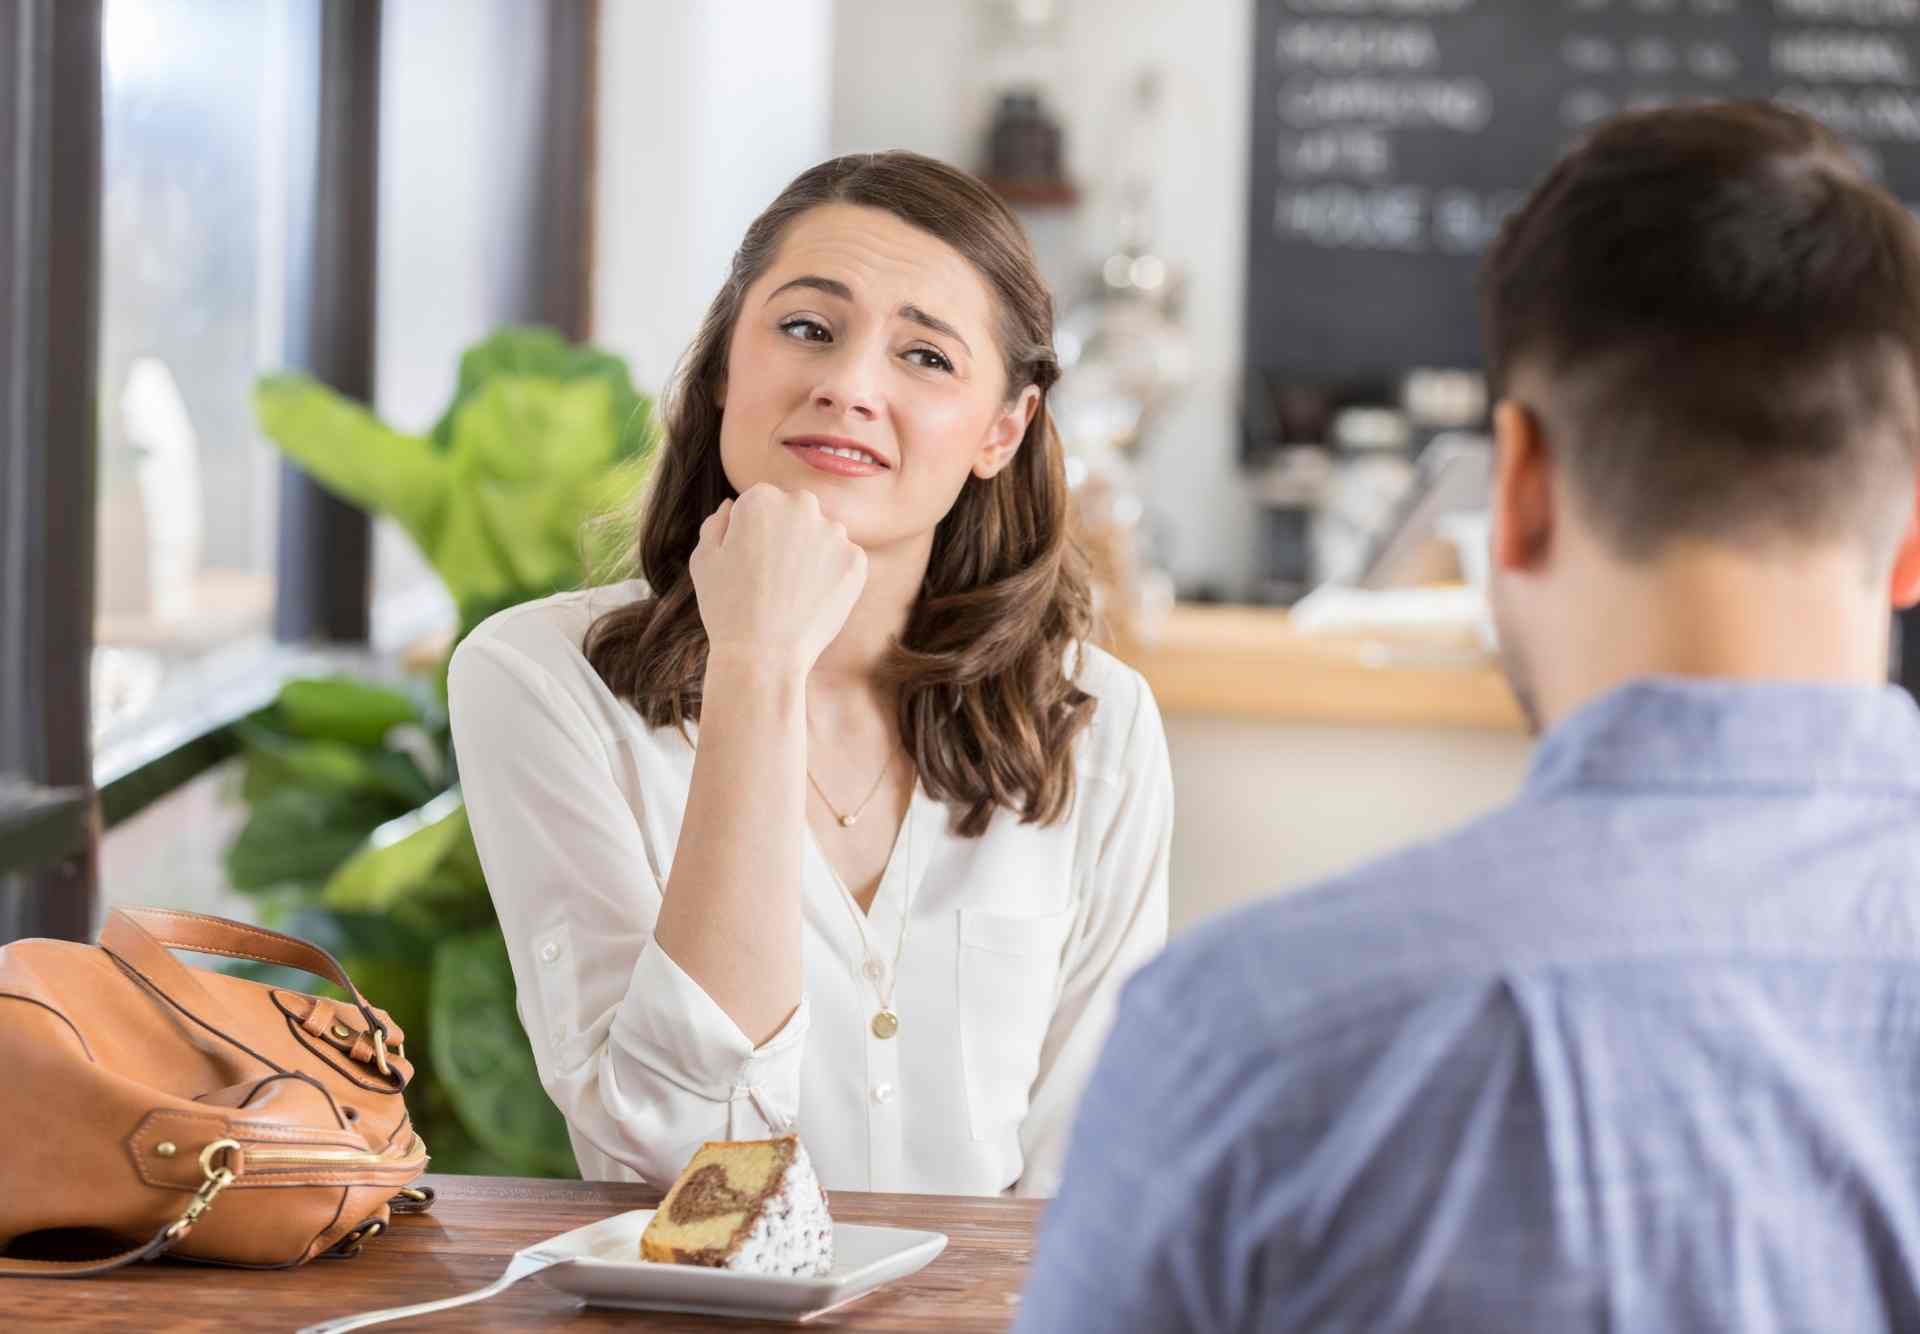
(1906, 560)
(1008, 430)
(1521, 505)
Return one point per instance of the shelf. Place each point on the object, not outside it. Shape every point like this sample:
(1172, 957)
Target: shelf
(1034, 194)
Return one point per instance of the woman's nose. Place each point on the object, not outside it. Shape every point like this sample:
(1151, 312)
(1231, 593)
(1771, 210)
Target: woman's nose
(848, 386)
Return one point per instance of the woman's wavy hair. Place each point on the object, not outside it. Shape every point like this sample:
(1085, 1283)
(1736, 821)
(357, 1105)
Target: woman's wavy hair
(986, 707)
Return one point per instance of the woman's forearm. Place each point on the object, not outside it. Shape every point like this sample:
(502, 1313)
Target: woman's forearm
(731, 916)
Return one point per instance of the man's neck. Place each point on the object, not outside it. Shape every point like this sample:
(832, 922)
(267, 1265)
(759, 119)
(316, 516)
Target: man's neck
(1706, 610)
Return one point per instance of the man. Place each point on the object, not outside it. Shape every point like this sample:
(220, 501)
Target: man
(1641, 1050)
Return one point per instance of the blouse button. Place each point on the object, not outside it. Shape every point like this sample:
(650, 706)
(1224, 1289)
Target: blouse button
(874, 969)
(883, 1093)
(549, 951)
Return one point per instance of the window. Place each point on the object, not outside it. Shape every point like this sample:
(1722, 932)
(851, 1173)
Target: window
(197, 186)
(195, 221)
(459, 249)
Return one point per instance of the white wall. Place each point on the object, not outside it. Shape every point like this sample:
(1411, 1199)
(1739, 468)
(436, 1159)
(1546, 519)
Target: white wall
(923, 75)
(706, 111)
(1265, 807)
(460, 116)
(906, 75)
(461, 93)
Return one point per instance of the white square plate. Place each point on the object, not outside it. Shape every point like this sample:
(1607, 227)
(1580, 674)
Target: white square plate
(607, 1270)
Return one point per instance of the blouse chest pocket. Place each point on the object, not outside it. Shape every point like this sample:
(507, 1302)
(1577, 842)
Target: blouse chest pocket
(1009, 971)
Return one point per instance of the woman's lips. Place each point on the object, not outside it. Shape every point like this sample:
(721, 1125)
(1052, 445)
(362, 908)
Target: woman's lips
(827, 457)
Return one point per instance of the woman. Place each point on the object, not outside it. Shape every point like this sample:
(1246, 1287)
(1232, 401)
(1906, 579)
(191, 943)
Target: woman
(833, 821)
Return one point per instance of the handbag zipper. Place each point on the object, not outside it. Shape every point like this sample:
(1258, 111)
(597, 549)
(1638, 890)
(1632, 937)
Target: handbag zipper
(323, 1156)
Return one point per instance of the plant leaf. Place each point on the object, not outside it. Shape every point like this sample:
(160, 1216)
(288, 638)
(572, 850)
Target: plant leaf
(300, 835)
(544, 354)
(534, 431)
(482, 1058)
(340, 708)
(353, 454)
(399, 857)
(454, 1150)
(276, 760)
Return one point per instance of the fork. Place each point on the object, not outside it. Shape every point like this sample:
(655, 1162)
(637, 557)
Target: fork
(522, 1265)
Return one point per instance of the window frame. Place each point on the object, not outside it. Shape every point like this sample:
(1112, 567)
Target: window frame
(56, 793)
(50, 117)
(323, 569)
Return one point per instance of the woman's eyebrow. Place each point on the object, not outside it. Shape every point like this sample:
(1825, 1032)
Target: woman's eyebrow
(830, 286)
(935, 323)
(834, 287)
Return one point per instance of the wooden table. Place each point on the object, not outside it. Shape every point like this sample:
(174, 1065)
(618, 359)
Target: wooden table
(479, 1222)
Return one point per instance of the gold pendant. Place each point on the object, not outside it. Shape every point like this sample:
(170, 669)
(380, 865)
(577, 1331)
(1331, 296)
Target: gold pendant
(846, 821)
(885, 1024)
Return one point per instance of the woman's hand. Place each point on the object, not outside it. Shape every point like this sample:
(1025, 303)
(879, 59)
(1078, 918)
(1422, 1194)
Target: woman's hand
(775, 578)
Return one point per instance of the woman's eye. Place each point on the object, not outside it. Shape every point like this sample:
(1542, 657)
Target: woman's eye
(931, 359)
(806, 330)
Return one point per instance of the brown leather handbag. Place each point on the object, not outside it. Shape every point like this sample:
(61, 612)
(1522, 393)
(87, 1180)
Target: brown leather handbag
(149, 1108)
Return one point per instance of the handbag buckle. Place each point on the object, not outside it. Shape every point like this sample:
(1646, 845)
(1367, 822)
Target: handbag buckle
(218, 1179)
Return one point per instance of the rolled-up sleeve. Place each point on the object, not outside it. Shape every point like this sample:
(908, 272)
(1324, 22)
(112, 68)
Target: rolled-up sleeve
(643, 1064)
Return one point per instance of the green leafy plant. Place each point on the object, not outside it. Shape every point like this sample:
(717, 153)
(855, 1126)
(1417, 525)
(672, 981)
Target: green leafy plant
(356, 836)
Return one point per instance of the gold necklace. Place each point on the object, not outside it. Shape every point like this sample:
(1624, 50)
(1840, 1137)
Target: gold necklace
(849, 819)
(885, 1022)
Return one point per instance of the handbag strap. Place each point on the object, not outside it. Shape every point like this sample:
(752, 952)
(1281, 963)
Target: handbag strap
(142, 937)
(150, 1250)
(410, 1200)
(166, 1239)
(219, 1177)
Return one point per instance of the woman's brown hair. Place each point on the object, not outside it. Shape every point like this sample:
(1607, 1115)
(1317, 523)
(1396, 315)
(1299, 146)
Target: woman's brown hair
(987, 710)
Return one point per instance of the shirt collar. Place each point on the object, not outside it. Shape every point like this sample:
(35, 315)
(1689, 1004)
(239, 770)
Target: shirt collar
(1682, 732)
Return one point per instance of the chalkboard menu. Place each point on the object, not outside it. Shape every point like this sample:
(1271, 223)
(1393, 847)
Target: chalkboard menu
(1391, 137)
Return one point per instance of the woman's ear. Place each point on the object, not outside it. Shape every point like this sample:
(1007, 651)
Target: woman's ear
(1522, 499)
(1008, 430)
(1906, 562)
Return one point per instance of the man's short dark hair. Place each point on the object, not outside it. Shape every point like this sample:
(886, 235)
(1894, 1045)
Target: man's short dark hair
(1718, 316)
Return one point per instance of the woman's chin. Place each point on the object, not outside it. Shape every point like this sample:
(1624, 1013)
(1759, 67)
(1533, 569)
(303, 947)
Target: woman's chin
(839, 499)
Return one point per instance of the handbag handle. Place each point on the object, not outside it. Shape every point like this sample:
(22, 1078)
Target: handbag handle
(142, 937)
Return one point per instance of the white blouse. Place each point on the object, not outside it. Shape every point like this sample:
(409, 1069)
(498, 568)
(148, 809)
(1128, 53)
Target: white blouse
(1016, 943)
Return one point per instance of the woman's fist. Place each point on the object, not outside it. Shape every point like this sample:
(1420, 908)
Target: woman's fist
(775, 578)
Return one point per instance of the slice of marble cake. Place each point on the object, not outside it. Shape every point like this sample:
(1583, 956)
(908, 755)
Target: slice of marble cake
(754, 1206)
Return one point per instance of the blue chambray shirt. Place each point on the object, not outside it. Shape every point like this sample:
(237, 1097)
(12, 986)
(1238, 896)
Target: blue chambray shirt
(1639, 1051)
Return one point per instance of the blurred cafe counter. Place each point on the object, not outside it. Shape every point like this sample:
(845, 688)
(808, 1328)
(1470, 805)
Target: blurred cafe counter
(1298, 754)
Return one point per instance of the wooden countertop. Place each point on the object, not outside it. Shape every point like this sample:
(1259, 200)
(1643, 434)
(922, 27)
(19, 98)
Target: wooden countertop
(1249, 662)
(479, 1222)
